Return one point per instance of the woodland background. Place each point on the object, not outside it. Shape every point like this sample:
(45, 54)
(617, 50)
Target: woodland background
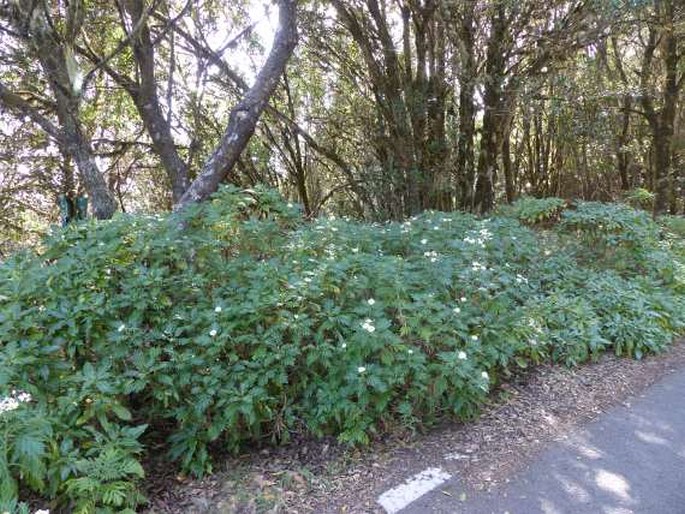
(386, 108)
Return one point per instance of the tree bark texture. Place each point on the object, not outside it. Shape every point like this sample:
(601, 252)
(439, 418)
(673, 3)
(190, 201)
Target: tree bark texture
(484, 200)
(146, 99)
(467, 108)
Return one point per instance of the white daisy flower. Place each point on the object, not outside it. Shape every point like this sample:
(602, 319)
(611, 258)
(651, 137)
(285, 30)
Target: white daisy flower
(368, 325)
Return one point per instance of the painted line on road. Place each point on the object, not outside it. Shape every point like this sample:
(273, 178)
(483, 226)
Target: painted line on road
(412, 489)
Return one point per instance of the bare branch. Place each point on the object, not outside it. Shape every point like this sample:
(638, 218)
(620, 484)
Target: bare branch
(16, 103)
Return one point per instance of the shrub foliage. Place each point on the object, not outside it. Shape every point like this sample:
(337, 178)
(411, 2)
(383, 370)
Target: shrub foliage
(534, 211)
(241, 323)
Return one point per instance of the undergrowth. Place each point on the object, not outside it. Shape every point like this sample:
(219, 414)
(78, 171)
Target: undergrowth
(242, 323)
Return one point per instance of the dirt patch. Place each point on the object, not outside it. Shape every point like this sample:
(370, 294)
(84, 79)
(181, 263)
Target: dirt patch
(524, 415)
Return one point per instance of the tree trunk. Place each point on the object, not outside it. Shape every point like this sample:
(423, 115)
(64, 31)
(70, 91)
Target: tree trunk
(75, 144)
(243, 118)
(435, 143)
(622, 153)
(467, 110)
(293, 152)
(509, 186)
(664, 134)
(146, 100)
(492, 100)
(484, 199)
(662, 121)
(662, 162)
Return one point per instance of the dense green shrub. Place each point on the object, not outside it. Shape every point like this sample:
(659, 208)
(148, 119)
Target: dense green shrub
(674, 240)
(618, 237)
(674, 224)
(534, 211)
(239, 322)
(640, 198)
(611, 224)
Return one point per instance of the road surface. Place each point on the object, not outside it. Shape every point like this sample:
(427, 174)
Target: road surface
(631, 459)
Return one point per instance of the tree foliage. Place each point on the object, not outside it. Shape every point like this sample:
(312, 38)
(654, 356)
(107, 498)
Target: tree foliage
(387, 108)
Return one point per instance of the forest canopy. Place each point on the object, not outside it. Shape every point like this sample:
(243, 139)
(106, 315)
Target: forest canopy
(385, 108)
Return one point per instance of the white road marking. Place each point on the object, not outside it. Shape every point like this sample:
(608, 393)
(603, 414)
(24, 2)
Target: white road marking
(411, 490)
(456, 456)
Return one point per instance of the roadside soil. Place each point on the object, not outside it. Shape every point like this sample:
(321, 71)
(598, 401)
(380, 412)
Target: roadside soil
(320, 476)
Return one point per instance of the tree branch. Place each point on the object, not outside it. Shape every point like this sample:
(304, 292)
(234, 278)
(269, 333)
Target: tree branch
(243, 118)
(13, 101)
(216, 59)
(135, 30)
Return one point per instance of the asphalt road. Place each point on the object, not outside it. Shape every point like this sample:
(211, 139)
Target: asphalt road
(631, 459)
